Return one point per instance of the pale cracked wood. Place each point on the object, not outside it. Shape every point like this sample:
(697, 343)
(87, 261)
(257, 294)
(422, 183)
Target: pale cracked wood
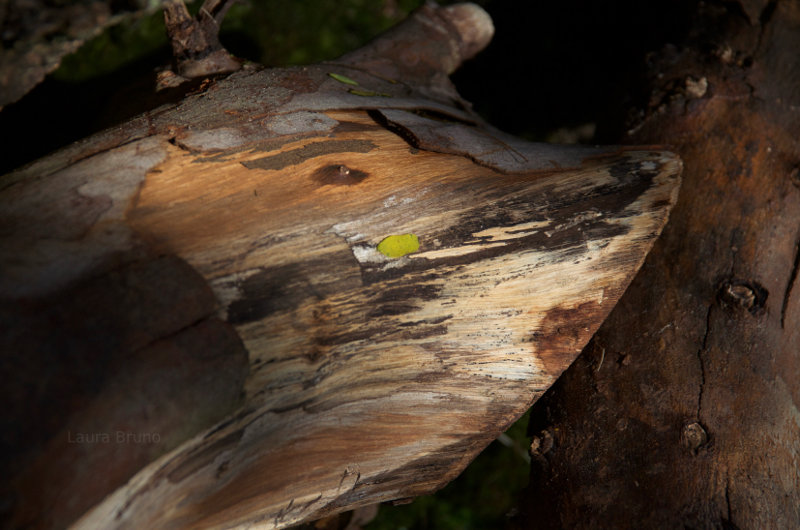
(232, 238)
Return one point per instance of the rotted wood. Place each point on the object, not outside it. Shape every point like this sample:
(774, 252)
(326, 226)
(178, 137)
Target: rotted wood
(683, 410)
(300, 290)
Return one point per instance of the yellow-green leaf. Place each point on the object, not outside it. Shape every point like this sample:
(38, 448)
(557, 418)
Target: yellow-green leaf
(343, 79)
(399, 245)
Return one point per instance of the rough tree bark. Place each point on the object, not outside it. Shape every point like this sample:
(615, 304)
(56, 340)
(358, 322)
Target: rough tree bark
(683, 410)
(196, 48)
(300, 290)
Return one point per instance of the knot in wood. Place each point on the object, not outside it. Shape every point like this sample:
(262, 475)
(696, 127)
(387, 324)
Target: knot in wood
(745, 295)
(693, 436)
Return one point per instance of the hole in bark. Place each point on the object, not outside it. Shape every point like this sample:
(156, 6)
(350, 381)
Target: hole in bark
(338, 175)
(693, 436)
(743, 294)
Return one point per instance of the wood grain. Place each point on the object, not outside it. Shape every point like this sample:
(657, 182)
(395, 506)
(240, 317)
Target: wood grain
(375, 378)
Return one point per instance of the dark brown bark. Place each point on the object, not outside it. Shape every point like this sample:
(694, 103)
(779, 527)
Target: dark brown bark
(683, 410)
(196, 48)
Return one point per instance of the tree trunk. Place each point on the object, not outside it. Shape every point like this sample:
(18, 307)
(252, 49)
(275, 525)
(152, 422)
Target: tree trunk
(300, 290)
(682, 412)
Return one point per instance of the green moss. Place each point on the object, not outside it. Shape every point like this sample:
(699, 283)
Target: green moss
(116, 47)
(270, 32)
(287, 32)
(399, 245)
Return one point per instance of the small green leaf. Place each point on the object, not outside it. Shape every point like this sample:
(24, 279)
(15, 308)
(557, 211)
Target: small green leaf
(398, 246)
(368, 93)
(343, 79)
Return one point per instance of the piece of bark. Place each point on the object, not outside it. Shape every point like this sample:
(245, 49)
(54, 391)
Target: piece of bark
(196, 48)
(375, 373)
(682, 412)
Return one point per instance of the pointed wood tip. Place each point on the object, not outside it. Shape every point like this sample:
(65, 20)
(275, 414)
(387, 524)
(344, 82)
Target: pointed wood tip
(474, 26)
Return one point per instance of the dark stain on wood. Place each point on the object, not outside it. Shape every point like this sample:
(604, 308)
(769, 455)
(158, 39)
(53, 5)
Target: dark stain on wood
(372, 318)
(562, 331)
(392, 309)
(375, 328)
(399, 299)
(286, 287)
(438, 320)
(308, 151)
(273, 289)
(338, 175)
(425, 292)
(317, 352)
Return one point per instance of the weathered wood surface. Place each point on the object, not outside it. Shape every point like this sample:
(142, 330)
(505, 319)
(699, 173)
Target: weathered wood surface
(209, 273)
(683, 410)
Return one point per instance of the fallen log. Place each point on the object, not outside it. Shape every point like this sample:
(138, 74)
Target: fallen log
(300, 291)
